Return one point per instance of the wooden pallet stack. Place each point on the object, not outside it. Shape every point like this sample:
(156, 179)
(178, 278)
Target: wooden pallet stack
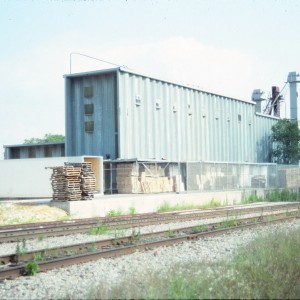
(73, 182)
(127, 178)
(65, 183)
(151, 180)
(258, 181)
(88, 181)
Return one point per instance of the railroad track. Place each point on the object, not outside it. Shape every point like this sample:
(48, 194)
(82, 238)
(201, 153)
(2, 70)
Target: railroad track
(47, 259)
(29, 231)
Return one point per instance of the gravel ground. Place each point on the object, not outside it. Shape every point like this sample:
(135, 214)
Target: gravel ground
(75, 282)
(53, 242)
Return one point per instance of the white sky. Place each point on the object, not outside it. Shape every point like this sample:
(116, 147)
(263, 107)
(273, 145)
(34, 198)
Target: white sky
(228, 47)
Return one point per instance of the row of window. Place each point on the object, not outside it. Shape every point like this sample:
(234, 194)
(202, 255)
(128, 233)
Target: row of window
(47, 151)
(89, 109)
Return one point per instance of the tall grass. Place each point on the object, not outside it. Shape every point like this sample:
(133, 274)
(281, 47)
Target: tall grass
(273, 196)
(268, 268)
(166, 206)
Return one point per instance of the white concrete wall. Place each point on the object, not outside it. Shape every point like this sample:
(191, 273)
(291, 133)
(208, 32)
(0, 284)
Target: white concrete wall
(142, 203)
(28, 178)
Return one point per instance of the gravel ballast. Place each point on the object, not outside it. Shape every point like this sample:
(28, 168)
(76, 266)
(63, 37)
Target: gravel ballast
(75, 282)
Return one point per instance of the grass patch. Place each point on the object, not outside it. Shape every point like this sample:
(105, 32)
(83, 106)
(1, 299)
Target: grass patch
(31, 268)
(99, 229)
(132, 210)
(273, 196)
(114, 213)
(166, 206)
(268, 268)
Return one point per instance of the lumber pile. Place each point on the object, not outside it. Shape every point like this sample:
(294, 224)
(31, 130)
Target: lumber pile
(289, 177)
(151, 180)
(73, 182)
(88, 181)
(258, 181)
(226, 182)
(128, 178)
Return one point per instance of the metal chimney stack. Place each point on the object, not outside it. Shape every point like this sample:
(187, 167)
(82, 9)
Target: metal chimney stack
(294, 109)
(257, 98)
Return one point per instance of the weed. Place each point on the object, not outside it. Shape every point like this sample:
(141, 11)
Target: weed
(24, 246)
(266, 268)
(99, 229)
(21, 250)
(92, 247)
(114, 213)
(167, 207)
(41, 238)
(31, 268)
(170, 233)
(38, 257)
(272, 196)
(287, 195)
(119, 232)
(69, 252)
(252, 198)
(288, 213)
(132, 210)
(135, 235)
(200, 228)
(229, 223)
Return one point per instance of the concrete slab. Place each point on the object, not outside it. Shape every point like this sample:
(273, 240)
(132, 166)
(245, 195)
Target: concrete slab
(142, 203)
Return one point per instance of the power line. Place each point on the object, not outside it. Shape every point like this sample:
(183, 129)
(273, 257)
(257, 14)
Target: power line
(95, 58)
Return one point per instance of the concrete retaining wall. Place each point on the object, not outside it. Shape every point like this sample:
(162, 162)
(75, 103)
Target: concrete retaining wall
(28, 178)
(142, 203)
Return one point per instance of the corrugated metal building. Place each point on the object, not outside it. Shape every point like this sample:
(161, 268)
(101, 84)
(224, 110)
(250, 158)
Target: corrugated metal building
(116, 113)
(34, 150)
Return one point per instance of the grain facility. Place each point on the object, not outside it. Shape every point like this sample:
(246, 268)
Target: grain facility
(147, 135)
(119, 114)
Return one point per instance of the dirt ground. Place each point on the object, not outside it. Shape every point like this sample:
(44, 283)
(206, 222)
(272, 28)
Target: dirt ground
(18, 213)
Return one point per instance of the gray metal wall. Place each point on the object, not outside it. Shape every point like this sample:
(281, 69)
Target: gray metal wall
(102, 139)
(136, 116)
(262, 134)
(159, 120)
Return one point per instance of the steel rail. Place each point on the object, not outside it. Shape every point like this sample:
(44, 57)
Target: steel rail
(89, 246)
(16, 271)
(29, 232)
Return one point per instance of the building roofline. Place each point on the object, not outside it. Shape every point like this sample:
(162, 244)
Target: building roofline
(125, 70)
(183, 85)
(91, 73)
(267, 116)
(34, 145)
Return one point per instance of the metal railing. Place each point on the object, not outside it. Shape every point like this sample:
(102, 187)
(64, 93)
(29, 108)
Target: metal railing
(126, 177)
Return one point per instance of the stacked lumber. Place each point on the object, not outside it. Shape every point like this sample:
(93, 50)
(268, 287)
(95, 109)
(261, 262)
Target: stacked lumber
(151, 180)
(128, 178)
(88, 181)
(65, 183)
(226, 182)
(289, 177)
(73, 182)
(258, 181)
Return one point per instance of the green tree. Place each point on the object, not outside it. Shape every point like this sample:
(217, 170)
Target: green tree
(48, 138)
(285, 138)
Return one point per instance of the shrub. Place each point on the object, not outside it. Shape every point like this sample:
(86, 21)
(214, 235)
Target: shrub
(268, 268)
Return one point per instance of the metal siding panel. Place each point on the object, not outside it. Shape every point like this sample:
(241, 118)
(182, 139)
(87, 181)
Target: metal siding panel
(150, 133)
(263, 132)
(101, 141)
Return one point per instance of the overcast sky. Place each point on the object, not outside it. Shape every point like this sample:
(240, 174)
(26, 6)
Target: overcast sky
(228, 47)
